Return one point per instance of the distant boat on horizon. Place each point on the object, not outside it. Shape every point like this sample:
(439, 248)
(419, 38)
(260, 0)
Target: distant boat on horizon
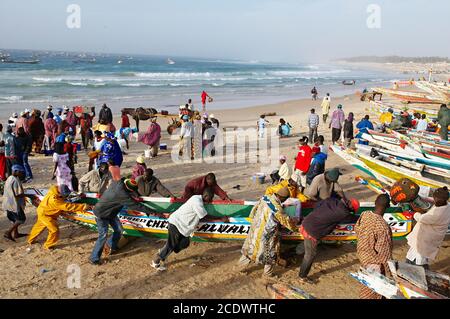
(170, 61)
(6, 60)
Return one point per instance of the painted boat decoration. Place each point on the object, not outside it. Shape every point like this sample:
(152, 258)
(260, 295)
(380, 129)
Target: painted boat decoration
(408, 282)
(285, 291)
(139, 224)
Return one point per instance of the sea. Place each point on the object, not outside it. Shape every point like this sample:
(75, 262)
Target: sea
(67, 78)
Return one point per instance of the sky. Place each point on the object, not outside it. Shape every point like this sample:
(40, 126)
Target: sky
(261, 30)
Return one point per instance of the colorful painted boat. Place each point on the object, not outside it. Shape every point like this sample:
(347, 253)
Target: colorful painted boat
(411, 96)
(396, 159)
(385, 172)
(397, 172)
(379, 107)
(139, 224)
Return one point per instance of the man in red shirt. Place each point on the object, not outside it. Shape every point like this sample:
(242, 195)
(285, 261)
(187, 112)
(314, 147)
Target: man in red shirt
(198, 185)
(204, 96)
(125, 120)
(303, 161)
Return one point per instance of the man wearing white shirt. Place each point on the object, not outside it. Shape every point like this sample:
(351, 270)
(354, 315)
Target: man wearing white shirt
(182, 224)
(428, 234)
(186, 136)
(422, 124)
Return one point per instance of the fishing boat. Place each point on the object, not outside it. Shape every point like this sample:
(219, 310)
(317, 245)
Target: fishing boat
(413, 145)
(393, 158)
(139, 224)
(20, 61)
(408, 282)
(411, 96)
(379, 107)
(383, 171)
(444, 167)
(348, 82)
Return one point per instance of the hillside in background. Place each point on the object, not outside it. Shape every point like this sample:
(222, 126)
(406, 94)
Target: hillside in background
(395, 59)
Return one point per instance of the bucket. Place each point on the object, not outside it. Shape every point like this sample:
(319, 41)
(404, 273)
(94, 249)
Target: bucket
(147, 154)
(163, 146)
(259, 178)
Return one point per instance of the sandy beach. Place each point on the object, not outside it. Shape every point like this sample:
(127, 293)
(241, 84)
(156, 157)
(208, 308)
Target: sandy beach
(204, 270)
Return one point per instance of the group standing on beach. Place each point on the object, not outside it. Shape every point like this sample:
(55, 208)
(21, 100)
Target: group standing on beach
(305, 180)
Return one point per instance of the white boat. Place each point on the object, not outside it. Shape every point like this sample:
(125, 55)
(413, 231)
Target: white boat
(170, 61)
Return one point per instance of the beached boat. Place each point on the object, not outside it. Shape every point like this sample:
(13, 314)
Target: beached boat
(441, 166)
(383, 171)
(411, 96)
(139, 224)
(408, 282)
(393, 158)
(379, 107)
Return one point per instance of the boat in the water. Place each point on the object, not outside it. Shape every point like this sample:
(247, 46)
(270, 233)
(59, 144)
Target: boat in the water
(139, 224)
(7, 60)
(348, 82)
(170, 61)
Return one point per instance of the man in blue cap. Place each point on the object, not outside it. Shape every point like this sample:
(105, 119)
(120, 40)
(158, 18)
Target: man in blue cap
(14, 202)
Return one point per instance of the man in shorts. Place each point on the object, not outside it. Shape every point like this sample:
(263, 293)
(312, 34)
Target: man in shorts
(14, 202)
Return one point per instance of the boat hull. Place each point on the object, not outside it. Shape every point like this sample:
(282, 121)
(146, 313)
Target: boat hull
(138, 224)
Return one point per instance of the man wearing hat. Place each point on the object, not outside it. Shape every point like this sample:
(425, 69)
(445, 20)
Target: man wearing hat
(139, 168)
(327, 214)
(11, 149)
(262, 244)
(120, 194)
(48, 211)
(22, 122)
(186, 137)
(152, 137)
(323, 185)
(13, 119)
(58, 116)
(387, 117)
(14, 202)
(283, 172)
(95, 181)
(295, 196)
(48, 112)
(214, 121)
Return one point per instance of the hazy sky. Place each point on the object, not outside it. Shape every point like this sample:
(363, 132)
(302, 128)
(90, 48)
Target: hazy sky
(270, 30)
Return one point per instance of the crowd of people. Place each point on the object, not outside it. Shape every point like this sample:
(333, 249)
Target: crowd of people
(306, 180)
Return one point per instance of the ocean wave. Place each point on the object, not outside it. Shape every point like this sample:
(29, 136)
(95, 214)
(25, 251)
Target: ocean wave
(11, 98)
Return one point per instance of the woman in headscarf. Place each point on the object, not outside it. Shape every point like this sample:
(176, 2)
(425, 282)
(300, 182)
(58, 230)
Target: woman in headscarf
(62, 171)
(110, 150)
(152, 137)
(348, 129)
(51, 129)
